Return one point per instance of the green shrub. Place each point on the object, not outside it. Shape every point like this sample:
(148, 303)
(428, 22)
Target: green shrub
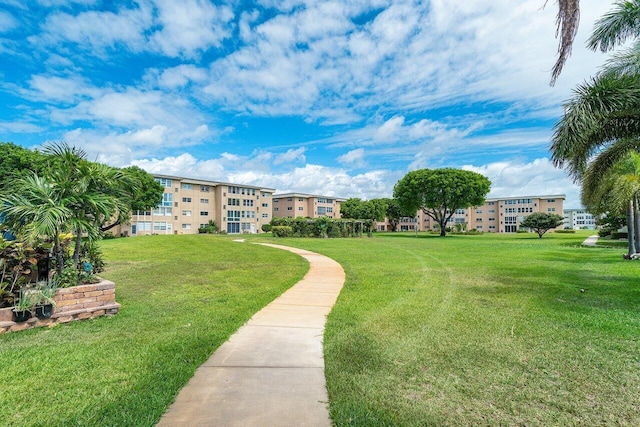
(282, 231)
(266, 228)
(616, 235)
(566, 231)
(474, 232)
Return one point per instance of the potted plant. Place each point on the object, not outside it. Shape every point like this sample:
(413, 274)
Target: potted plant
(45, 303)
(22, 306)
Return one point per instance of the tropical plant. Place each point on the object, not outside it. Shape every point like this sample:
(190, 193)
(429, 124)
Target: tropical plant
(617, 191)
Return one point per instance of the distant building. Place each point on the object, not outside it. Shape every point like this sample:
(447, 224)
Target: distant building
(579, 219)
(496, 215)
(294, 205)
(188, 204)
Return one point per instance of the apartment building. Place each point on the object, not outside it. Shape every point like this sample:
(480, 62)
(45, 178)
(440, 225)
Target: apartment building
(187, 204)
(497, 215)
(293, 205)
(579, 219)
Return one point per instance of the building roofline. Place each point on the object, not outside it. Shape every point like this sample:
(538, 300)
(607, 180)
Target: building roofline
(208, 182)
(550, 196)
(280, 196)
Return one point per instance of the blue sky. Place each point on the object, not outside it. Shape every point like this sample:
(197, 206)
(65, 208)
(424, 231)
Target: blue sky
(337, 98)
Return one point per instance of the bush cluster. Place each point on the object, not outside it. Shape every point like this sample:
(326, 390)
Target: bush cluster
(320, 227)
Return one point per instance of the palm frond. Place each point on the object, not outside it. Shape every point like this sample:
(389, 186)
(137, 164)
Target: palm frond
(567, 22)
(616, 26)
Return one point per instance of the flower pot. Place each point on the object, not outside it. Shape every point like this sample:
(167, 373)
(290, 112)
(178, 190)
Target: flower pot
(44, 311)
(21, 315)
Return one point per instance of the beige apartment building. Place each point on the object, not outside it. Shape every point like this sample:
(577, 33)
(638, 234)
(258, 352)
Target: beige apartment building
(294, 205)
(498, 215)
(187, 204)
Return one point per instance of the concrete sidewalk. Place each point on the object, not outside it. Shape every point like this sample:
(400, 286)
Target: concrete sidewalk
(591, 241)
(270, 372)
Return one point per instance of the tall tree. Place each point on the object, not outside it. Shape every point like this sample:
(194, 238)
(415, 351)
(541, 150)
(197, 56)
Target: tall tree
(616, 191)
(440, 192)
(541, 222)
(394, 213)
(16, 161)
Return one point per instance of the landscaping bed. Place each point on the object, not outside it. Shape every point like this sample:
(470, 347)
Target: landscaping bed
(73, 303)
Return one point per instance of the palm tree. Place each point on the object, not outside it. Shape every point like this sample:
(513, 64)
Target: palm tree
(604, 113)
(616, 190)
(37, 209)
(91, 190)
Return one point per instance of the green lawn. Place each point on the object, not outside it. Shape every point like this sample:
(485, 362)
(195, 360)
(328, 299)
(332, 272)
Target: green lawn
(181, 296)
(462, 330)
(491, 329)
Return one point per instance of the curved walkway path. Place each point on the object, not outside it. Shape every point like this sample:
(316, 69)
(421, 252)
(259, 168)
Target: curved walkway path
(271, 371)
(591, 241)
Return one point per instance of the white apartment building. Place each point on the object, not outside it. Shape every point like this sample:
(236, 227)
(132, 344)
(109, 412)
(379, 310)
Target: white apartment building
(579, 219)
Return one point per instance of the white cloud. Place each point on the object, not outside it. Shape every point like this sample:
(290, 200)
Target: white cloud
(388, 131)
(189, 27)
(291, 156)
(353, 158)
(7, 22)
(536, 178)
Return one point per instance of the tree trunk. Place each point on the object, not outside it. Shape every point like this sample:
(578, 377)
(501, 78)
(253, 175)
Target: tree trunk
(636, 215)
(631, 232)
(58, 254)
(78, 248)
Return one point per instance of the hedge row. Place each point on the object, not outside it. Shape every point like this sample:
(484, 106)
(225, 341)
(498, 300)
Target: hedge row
(320, 227)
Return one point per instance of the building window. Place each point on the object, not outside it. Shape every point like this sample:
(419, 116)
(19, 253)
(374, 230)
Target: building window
(264, 215)
(289, 199)
(186, 213)
(551, 209)
(322, 210)
(162, 211)
(159, 226)
(233, 215)
(144, 225)
(551, 200)
(247, 202)
(165, 182)
(478, 211)
(204, 201)
(491, 203)
(186, 226)
(265, 194)
(276, 200)
(167, 200)
(186, 186)
(265, 205)
(275, 209)
(186, 200)
(300, 208)
(233, 202)
(204, 213)
(233, 190)
(204, 188)
(329, 210)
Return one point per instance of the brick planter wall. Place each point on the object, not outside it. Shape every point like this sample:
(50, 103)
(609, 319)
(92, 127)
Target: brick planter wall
(74, 303)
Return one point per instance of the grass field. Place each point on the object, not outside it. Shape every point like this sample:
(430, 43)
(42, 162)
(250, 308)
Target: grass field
(463, 330)
(181, 296)
(492, 329)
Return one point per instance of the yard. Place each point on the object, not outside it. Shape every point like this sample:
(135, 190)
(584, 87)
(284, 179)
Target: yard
(489, 329)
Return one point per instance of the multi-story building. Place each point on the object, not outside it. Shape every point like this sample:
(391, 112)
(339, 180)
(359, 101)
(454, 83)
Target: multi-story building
(578, 219)
(496, 215)
(188, 204)
(293, 205)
